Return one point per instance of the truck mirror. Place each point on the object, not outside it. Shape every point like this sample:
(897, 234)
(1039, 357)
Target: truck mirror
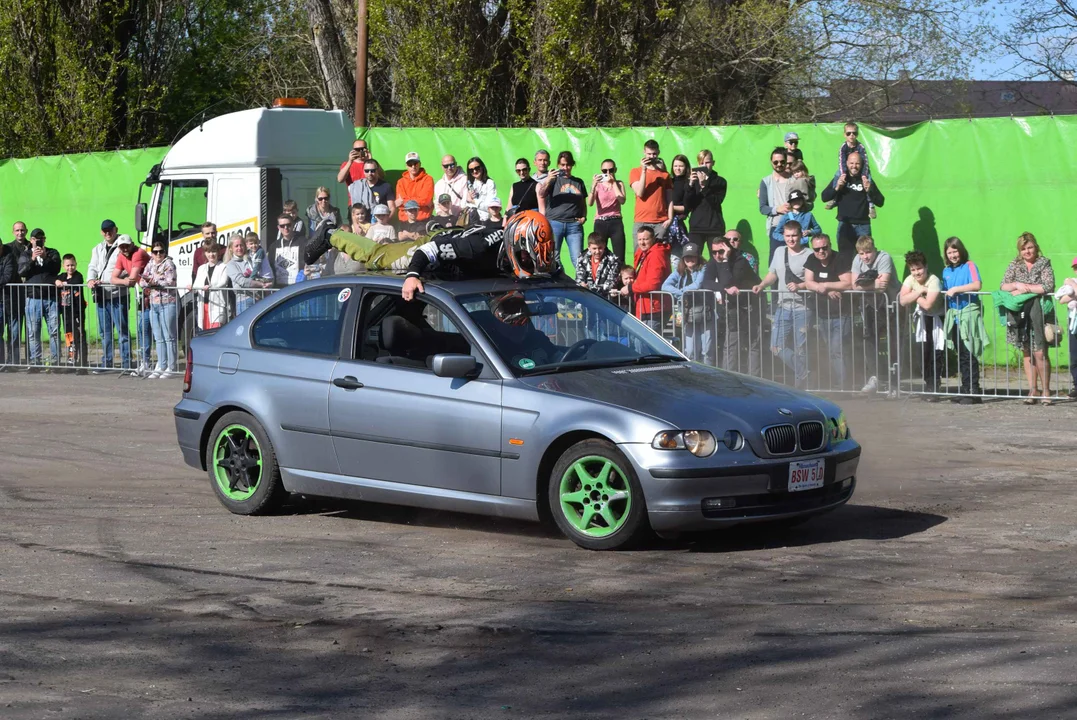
(140, 218)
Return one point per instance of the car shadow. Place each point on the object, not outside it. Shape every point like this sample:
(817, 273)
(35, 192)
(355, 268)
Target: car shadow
(849, 522)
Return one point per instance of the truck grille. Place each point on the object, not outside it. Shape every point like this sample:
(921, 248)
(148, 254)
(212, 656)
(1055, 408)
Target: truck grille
(811, 436)
(780, 439)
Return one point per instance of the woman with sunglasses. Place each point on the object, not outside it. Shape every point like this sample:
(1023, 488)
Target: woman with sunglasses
(159, 280)
(480, 188)
(566, 205)
(322, 211)
(524, 191)
(608, 195)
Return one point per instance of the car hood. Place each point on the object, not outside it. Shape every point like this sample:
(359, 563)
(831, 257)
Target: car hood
(692, 396)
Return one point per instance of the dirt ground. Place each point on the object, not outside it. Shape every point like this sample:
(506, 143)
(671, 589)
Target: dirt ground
(945, 589)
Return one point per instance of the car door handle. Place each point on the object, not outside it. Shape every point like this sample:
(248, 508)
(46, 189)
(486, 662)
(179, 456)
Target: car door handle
(348, 383)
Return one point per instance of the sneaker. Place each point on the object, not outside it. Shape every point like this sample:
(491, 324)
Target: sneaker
(831, 205)
(101, 370)
(153, 375)
(167, 374)
(1072, 393)
(82, 371)
(33, 369)
(871, 212)
(892, 395)
(969, 400)
(871, 386)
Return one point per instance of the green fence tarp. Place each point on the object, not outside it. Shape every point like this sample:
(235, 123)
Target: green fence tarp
(985, 180)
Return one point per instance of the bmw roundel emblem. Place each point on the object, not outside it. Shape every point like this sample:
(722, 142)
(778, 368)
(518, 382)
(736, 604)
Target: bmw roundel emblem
(786, 411)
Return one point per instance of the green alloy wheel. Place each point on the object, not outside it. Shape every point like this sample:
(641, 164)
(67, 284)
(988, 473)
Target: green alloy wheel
(242, 466)
(595, 497)
(237, 462)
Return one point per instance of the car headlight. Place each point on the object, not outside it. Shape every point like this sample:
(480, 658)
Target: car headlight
(700, 443)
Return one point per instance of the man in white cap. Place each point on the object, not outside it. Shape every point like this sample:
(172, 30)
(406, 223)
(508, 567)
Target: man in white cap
(415, 185)
(125, 275)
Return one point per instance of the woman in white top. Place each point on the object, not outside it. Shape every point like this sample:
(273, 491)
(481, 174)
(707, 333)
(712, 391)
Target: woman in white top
(212, 301)
(480, 188)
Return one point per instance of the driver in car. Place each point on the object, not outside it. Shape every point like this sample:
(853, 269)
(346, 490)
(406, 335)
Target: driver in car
(519, 341)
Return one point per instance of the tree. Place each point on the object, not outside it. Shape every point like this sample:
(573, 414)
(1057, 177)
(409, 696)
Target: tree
(1043, 37)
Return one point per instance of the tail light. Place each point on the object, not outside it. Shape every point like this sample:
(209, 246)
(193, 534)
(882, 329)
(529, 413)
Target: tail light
(188, 371)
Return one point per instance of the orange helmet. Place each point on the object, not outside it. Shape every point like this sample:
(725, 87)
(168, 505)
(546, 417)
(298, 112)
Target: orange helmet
(529, 244)
(511, 308)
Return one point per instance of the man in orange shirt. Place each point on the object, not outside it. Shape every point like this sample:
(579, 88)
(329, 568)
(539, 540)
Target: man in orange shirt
(652, 186)
(415, 185)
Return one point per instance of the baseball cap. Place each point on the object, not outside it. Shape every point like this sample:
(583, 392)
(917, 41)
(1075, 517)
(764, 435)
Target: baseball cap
(1074, 262)
(496, 202)
(411, 205)
(690, 250)
(796, 195)
(411, 157)
(108, 225)
(124, 240)
(380, 210)
(791, 136)
(37, 233)
(444, 198)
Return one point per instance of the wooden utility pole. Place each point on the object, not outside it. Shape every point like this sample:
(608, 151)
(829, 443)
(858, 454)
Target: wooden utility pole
(360, 65)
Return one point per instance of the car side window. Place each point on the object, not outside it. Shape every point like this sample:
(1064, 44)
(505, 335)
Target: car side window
(393, 331)
(309, 323)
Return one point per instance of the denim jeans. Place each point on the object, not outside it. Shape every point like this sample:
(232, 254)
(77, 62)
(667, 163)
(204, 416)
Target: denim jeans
(789, 340)
(144, 335)
(838, 332)
(112, 316)
(743, 330)
(163, 323)
(573, 232)
(967, 363)
(848, 234)
(36, 310)
(243, 301)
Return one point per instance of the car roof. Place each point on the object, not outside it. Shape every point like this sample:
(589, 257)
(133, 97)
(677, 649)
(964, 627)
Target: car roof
(456, 287)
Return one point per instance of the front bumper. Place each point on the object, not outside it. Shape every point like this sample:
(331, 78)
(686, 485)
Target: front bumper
(751, 489)
(191, 416)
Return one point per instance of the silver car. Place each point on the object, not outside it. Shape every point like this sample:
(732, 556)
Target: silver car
(515, 399)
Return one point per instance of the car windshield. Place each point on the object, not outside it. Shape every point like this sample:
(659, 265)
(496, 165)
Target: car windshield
(561, 329)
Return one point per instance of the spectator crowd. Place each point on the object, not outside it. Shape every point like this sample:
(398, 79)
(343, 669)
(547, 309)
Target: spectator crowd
(684, 274)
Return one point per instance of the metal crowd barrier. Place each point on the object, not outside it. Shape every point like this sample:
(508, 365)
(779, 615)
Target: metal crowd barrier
(109, 329)
(858, 342)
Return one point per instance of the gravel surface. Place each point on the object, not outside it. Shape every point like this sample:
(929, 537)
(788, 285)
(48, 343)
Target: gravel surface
(945, 589)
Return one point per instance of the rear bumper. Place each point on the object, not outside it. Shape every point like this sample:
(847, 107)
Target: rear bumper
(191, 416)
(746, 489)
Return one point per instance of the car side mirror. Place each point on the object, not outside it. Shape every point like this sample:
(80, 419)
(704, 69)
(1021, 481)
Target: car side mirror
(140, 218)
(454, 366)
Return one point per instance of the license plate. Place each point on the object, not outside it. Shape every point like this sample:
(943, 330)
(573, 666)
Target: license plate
(805, 475)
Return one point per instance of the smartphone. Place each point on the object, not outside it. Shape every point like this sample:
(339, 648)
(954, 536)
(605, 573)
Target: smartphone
(699, 170)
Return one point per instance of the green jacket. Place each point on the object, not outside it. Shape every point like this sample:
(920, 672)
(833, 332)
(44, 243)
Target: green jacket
(1006, 301)
(970, 326)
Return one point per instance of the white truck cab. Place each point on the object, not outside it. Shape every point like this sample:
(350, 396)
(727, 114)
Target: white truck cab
(236, 171)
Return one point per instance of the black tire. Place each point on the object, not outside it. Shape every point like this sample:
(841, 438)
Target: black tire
(591, 485)
(238, 440)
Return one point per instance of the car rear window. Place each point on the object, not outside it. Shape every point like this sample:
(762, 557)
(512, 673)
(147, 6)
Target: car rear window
(309, 323)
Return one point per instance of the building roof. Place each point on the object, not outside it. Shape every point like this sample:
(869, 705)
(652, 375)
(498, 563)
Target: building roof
(906, 101)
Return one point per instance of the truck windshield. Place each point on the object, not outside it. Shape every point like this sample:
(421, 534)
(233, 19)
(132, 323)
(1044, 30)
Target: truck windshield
(183, 209)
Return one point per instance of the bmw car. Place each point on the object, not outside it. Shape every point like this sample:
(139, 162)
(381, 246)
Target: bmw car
(518, 399)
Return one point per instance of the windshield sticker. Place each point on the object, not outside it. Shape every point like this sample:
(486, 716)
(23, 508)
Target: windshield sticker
(344, 295)
(527, 364)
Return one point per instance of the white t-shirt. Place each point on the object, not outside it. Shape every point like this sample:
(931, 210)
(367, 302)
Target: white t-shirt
(932, 285)
(382, 233)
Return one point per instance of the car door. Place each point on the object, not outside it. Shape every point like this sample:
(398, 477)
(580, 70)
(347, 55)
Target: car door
(393, 420)
(296, 346)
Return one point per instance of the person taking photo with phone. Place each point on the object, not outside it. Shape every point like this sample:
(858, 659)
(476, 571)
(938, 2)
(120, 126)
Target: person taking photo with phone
(607, 196)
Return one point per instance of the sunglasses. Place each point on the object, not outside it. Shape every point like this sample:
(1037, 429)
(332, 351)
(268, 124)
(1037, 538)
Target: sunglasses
(412, 162)
(777, 163)
(157, 251)
(609, 170)
(475, 169)
(323, 198)
(793, 142)
(448, 165)
(284, 225)
(369, 170)
(824, 249)
(851, 134)
(360, 149)
(522, 170)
